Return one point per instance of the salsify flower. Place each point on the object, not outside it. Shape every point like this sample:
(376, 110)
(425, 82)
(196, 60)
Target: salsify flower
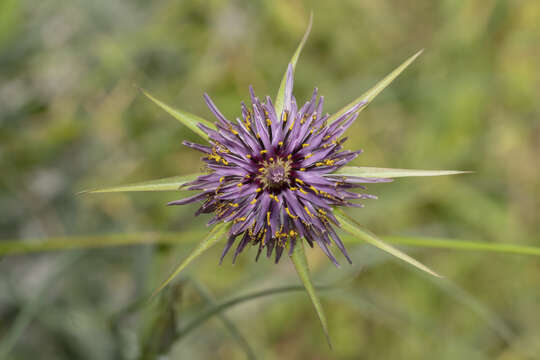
(277, 176)
(270, 174)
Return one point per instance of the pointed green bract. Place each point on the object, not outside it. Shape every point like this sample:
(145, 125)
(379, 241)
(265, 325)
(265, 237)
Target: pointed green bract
(299, 260)
(350, 226)
(279, 103)
(369, 95)
(375, 172)
(210, 240)
(165, 184)
(188, 119)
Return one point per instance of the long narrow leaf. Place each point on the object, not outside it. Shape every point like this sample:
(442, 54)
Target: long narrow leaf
(220, 307)
(364, 171)
(188, 119)
(375, 90)
(166, 184)
(205, 293)
(301, 265)
(350, 226)
(19, 247)
(279, 103)
(464, 245)
(213, 237)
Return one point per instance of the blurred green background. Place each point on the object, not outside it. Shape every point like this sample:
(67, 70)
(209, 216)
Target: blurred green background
(71, 118)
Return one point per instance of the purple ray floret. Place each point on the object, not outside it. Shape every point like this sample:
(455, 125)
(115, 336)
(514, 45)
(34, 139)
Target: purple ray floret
(271, 176)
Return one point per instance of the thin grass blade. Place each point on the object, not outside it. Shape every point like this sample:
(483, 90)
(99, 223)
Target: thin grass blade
(215, 235)
(299, 260)
(350, 226)
(454, 244)
(165, 184)
(205, 293)
(375, 172)
(279, 103)
(188, 119)
(369, 95)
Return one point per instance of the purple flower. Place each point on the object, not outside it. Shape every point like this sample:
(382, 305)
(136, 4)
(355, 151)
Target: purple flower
(270, 175)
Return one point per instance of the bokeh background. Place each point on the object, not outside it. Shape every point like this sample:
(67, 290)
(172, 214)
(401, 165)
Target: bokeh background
(72, 118)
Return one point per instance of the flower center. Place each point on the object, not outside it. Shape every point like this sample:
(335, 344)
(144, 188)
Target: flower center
(275, 173)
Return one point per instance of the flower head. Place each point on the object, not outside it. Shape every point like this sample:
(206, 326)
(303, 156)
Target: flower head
(270, 175)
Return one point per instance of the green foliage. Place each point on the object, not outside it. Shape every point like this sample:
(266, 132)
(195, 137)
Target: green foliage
(71, 119)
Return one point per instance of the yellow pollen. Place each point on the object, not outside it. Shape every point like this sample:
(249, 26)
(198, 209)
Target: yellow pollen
(258, 136)
(289, 213)
(248, 156)
(234, 204)
(268, 122)
(280, 143)
(302, 169)
(292, 233)
(284, 116)
(298, 181)
(253, 201)
(303, 191)
(268, 218)
(271, 159)
(305, 145)
(289, 156)
(258, 190)
(307, 211)
(308, 156)
(315, 190)
(221, 179)
(290, 127)
(264, 152)
(239, 185)
(293, 188)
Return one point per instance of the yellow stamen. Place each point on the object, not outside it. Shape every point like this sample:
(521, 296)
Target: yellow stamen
(268, 218)
(280, 143)
(305, 145)
(307, 211)
(308, 156)
(253, 201)
(290, 127)
(289, 213)
(263, 152)
(239, 185)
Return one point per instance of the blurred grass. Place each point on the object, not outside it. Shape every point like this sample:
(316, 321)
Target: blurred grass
(70, 119)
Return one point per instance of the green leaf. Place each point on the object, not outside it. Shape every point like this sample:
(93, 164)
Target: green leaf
(220, 307)
(166, 184)
(211, 239)
(205, 293)
(350, 226)
(188, 119)
(364, 171)
(299, 260)
(279, 103)
(369, 95)
(464, 245)
(27, 246)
